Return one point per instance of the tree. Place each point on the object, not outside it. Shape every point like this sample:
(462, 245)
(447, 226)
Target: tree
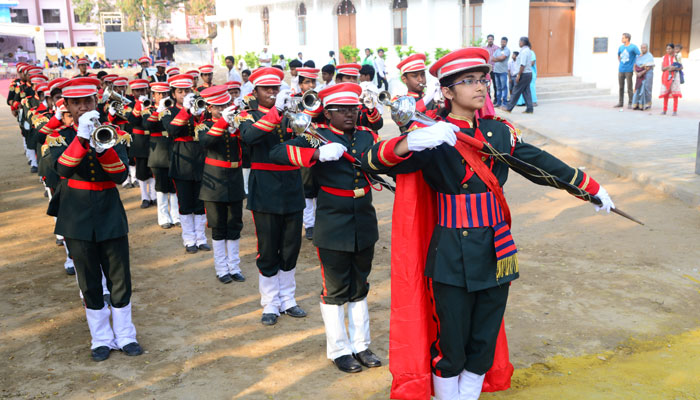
(87, 10)
(146, 16)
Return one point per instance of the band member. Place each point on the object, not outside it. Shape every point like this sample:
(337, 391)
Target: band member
(222, 185)
(140, 148)
(275, 196)
(160, 75)
(234, 89)
(412, 70)
(172, 71)
(83, 65)
(159, 156)
(117, 115)
(207, 74)
(145, 62)
(186, 161)
(347, 224)
(37, 116)
(27, 104)
(369, 116)
(195, 79)
(16, 83)
(327, 74)
(471, 258)
(91, 217)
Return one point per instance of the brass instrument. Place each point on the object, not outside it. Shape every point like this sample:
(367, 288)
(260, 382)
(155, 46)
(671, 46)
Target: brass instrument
(168, 103)
(104, 135)
(199, 105)
(371, 98)
(147, 103)
(310, 100)
(117, 101)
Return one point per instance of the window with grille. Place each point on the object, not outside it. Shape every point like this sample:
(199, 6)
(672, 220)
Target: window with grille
(51, 15)
(301, 24)
(345, 8)
(399, 16)
(474, 21)
(19, 15)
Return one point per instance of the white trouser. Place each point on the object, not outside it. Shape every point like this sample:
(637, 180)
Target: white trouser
(470, 385)
(200, 228)
(233, 259)
(189, 237)
(163, 211)
(310, 213)
(446, 388)
(124, 330)
(220, 261)
(148, 189)
(358, 325)
(174, 208)
(288, 287)
(269, 293)
(132, 173)
(100, 329)
(246, 175)
(337, 343)
(31, 155)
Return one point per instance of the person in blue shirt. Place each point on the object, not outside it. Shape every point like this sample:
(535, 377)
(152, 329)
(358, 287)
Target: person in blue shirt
(626, 54)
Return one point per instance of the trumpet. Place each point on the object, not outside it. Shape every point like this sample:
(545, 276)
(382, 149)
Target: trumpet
(370, 98)
(104, 135)
(147, 103)
(310, 100)
(199, 105)
(117, 100)
(168, 102)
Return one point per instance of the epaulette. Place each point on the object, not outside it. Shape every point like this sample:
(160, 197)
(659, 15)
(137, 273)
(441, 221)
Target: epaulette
(39, 119)
(55, 141)
(244, 116)
(146, 112)
(201, 128)
(124, 137)
(164, 113)
(516, 134)
(313, 140)
(24, 101)
(374, 134)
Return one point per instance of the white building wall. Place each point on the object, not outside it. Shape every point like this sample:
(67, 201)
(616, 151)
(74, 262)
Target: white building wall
(513, 23)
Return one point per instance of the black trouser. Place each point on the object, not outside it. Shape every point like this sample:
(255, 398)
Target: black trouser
(279, 241)
(344, 275)
(142, 171)
(113, 257)
(468, 325)
(164, 183)
(623, 77)
(494, 84)
(522, 88)
(382, 80)
(224, 219)
(188, 197)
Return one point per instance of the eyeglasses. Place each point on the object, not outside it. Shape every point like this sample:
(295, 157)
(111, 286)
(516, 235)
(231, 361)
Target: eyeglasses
(473, 82)
(347, 110)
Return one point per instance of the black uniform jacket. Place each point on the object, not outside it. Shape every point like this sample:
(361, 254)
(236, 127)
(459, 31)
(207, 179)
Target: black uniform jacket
(187, 158)
(160, 144)
(223, 179)
(140, 135)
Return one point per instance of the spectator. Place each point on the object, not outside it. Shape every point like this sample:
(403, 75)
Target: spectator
(533, 90)
(264, 58)
(247, 86)
(368, 58)
(332, 60)
(670, 80)
(380, 68)
(327, 74)
(282, 62)
(309, 64)
(500, 71)
(678, 63)
(523, 77)
(293, 65)
(513, 70)
(233, 75)
(626, 55)
(300, 57)
(366, 73)
(644, 68)
(241, 64)
(490, 47)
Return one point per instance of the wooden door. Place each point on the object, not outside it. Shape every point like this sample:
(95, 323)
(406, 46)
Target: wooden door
(670, 23)
(346, 32)
(551, 34)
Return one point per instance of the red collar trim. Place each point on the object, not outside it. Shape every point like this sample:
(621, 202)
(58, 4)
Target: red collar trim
(461, 122)
(335, 130)
(415, 95)
(263, 109)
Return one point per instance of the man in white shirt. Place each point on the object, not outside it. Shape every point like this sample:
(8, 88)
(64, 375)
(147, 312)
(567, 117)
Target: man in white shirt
(380, 69)
(233, 75)
(264, 58)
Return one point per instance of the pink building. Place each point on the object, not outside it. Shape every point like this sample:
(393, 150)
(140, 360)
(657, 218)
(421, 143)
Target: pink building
(61, 27)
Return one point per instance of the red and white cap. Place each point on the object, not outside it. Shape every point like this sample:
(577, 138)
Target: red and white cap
(193, 73)
(42, 87)
(347, 93)
(109, 78)
(181, 81)
(54, 83)
(37, 79)
(206, 69)
(266, 76)
(412, 63)
(216, 95)
(34, 71)
(172, 71)
(461, 60)
(61, 105)
(145, 59)
(138, 84)
(83, 61)
(21, 66)
(161, 63)
(79, 87)
(233, 85)
(160, 87)
(120, 81)
(352, 69)
(311, 73)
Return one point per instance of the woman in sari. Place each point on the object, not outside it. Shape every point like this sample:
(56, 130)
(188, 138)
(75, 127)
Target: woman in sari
(644, 68)
(670, 80)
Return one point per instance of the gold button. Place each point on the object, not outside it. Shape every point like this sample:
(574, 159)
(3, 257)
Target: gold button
(353, 144)
(357, 180)
(465, 233)
(92, 171)
(354, 151)
(92, 179)
(465, 186)
(358, 173)
(464, 161)
(489, 134)
(483, 158)
(92, 164)
(89, 157)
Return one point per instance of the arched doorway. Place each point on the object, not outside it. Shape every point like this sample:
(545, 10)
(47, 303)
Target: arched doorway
(670, 23)
(346, 25)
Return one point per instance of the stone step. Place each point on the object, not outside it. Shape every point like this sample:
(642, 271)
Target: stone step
(572, 93)
(559, 87)
(558, 79)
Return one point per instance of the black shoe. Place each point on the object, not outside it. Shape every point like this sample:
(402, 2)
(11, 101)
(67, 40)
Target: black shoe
(528, 112)
(33, 170)
(368, 359)
(132, 349)
(618, 105)
(167, 225)
(347, 364)
(177, 223)
(310, 233)
(70, 271)
(225, 279)
(100, 353)
(296, 312)
(145, 204)
(59, 242)
(238, 277)
(204, 247)
(268, 319)
(190, 249)
(154, 203)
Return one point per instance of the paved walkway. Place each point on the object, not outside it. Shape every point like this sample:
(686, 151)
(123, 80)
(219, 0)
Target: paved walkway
(650, 148)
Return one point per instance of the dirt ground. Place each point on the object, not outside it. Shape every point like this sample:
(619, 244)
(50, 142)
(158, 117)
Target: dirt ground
(604, 308)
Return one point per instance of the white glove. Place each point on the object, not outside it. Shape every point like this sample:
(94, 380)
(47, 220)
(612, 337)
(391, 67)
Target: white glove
(26, 125)
(331, 152)
(98, 147)
(188, 102)
(282, 99)
(161, 105)
(228, 112)
(197, 112)
(112, 111)
(58, 113)
(143, 98)
(86, 124)
(605, 198)
(429, 93)
(432, 136)
(237, 101)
